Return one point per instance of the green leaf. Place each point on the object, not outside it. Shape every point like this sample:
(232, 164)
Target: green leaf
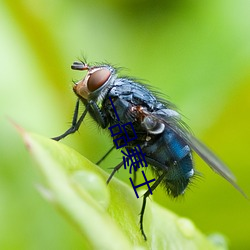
(106, 215)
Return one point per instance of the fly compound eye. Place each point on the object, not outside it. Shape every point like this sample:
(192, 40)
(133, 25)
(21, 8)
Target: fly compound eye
(97, 79)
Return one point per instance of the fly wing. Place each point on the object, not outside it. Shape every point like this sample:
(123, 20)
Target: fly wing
(208, 156)
(175, 124)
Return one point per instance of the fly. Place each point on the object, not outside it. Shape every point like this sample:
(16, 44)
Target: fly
(163, 137)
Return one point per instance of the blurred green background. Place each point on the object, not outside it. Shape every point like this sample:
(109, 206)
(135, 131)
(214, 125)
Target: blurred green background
(195, 52)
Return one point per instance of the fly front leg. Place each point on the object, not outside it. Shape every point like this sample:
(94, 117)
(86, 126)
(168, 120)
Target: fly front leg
(98, 115)
(75, 123)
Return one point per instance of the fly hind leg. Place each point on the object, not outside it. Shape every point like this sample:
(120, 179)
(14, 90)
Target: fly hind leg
(144, 201)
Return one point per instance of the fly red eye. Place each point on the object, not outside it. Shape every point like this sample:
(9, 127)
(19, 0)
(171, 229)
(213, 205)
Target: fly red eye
(97, 79)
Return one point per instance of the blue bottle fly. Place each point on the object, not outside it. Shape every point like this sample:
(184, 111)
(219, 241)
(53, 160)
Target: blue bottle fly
(164, 139)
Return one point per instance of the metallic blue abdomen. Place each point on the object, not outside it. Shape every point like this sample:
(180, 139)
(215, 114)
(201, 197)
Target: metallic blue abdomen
(171, 155)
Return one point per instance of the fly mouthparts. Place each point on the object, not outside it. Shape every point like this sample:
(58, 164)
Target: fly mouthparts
(79, 66)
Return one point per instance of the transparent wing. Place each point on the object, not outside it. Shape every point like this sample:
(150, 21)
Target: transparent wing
(174, 123)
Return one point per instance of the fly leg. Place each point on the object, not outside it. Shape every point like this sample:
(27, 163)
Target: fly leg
(116, 168)
(134, 177)
(105, 156)
(145, 196)
(75, 124)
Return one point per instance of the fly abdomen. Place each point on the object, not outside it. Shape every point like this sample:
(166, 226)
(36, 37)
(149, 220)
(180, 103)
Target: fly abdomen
(172, 156)
(178, 176)
(178, 149)
(181, 165)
